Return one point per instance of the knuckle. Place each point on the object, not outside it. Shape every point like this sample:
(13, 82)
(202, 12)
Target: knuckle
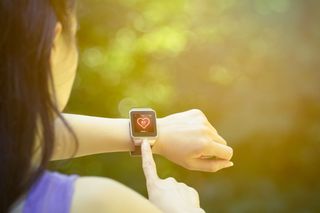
(182, 185)
(204, 129)
(194, 192)
(203, 144)
(170, 179)
(197, 111)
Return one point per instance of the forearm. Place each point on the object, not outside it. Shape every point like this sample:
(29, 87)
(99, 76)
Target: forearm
(95, 135)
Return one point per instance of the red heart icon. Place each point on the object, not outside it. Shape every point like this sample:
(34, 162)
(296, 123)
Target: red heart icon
(143, 122)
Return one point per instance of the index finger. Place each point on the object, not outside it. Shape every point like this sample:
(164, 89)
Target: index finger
(148, 164)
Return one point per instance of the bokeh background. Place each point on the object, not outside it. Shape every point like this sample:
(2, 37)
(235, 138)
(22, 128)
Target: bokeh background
(251, 66)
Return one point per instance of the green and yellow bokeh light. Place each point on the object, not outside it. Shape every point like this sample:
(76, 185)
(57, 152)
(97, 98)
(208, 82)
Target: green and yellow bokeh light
(251, 66)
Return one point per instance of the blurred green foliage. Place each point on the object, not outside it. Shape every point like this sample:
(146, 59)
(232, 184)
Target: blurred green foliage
(251, 66)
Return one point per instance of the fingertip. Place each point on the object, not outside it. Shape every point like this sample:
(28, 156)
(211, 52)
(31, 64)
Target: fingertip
(228, 152)
(225, 165)
(230, 164)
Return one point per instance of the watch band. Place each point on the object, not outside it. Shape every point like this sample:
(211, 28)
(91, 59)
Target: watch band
(136, 151)
(137, 148)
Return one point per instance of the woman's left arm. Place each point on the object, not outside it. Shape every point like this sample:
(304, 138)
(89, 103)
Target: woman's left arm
(95, 135)
(185, 138)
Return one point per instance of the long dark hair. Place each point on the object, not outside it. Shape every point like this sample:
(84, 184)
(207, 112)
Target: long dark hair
(27, 98)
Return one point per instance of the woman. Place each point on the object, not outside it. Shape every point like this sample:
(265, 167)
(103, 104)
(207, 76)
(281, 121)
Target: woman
(38, 60)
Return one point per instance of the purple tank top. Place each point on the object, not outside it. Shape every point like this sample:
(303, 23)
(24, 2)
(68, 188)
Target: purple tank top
(52, 193)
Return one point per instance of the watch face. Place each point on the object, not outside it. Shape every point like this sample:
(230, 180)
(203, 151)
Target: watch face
(143, 123)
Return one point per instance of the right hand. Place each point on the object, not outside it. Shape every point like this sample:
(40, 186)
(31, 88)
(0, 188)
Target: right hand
(167, 194)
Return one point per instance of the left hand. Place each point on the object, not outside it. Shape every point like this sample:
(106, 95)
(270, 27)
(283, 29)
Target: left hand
(188, 139)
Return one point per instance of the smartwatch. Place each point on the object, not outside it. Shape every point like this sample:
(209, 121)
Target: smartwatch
(143, 127)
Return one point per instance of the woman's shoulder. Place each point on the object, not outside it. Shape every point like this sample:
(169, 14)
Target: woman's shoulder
(77, 194)
(100, 194)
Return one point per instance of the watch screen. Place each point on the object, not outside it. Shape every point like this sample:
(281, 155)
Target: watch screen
(143, 123)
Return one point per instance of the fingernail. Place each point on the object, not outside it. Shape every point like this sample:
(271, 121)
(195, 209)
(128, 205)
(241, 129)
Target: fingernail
(230, 150)
(222, 139)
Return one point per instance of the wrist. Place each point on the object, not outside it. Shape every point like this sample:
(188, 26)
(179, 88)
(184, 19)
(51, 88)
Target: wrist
(143, 127)
(158, 145)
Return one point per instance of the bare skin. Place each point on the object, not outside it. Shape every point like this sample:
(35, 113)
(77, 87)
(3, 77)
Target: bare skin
(195, 139)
